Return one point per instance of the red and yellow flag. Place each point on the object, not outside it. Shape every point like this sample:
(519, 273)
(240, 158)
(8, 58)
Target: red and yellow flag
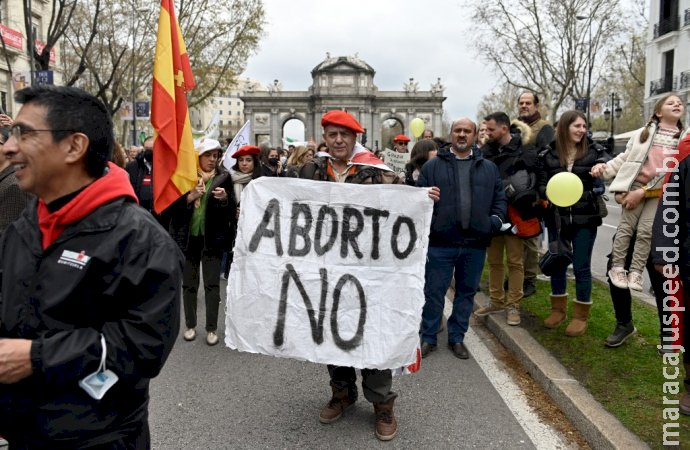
(174, 158)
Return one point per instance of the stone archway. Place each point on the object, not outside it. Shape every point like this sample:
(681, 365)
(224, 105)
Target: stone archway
(391, 127)
(293, 129)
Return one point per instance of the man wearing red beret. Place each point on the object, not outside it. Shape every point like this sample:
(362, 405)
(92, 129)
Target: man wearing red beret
(350, 162)
(400, 143)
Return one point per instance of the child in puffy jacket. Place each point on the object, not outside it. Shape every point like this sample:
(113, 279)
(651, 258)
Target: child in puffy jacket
(639, 173)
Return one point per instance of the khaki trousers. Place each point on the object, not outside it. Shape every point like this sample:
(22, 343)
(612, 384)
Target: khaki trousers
(514, 249)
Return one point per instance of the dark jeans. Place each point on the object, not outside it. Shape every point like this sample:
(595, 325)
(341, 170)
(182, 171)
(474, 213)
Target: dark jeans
(376, 383)
(468, 264)
(210, 264)
(622, 300)
(582, 240)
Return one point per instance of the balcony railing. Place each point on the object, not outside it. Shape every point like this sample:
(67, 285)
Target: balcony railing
(687, 17)
(666, 26)
(684, 80)
(662, 85)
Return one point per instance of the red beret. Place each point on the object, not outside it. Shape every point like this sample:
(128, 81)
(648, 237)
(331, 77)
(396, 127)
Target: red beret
(341, 119)
(401, 138)
(246, 150)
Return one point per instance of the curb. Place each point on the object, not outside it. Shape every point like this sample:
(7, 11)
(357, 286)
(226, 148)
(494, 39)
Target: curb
(600, 428)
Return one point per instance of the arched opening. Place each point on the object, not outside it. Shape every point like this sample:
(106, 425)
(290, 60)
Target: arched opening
(293, 133)
(389, 129)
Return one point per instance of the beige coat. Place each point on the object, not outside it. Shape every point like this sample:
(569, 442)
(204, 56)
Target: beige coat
(626, 166)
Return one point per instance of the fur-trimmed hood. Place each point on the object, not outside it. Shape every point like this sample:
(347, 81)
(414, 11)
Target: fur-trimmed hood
(517, 126)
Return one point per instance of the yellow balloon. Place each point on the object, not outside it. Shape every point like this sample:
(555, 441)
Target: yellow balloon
(564, 189)
(417, 127)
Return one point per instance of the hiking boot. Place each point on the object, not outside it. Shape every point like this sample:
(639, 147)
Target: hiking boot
(620, 334)
(635, 281)
(341, 400)
(491, 308)
(513, 315)
(618, 277)
(528, 288)
(189, 334)
(386, 425)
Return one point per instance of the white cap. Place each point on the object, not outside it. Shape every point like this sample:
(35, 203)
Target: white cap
(206, 145)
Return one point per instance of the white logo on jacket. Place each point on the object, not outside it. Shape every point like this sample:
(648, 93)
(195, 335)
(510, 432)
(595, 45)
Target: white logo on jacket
(74, 259)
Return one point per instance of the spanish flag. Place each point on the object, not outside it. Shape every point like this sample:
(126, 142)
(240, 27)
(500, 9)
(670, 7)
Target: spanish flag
(174, 158)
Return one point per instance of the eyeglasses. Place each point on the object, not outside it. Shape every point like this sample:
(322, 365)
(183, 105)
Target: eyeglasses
(19, 131)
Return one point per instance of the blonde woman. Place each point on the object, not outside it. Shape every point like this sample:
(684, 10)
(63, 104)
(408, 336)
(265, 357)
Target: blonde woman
(300, 156)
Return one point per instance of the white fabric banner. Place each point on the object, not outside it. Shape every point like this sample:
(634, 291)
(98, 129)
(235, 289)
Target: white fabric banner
(329, 272)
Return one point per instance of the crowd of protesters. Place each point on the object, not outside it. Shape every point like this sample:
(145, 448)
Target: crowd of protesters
(488, 182)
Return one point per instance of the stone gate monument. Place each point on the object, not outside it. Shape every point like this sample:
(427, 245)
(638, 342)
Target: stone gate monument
(344, 82)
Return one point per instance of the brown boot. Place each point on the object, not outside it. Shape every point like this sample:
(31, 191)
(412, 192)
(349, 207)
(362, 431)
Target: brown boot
(341, 400)
(578, 325)
(386, 425)
(558, 307)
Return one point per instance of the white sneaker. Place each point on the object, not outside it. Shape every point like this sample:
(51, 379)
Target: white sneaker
(211, 338)
(618, 277)
(635, 281)
(189, 334)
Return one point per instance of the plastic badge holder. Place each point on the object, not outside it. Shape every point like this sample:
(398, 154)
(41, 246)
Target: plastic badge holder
(99, 382)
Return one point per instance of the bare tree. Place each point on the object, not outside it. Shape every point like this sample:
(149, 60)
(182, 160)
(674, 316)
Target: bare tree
(542, 46)
(60, 17)
(219, 37)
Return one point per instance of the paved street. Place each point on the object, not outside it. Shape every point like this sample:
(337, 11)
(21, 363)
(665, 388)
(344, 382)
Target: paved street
(213, 397)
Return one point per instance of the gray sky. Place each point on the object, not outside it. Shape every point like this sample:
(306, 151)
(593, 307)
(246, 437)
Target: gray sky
(398, 38)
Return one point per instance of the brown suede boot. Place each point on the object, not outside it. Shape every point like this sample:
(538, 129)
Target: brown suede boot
(341, 400)
(578, 325)
(558, 308)
(386, 425)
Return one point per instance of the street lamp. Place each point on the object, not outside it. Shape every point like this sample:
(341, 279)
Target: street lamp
(134, 66)
(589, 62)
(615, 111)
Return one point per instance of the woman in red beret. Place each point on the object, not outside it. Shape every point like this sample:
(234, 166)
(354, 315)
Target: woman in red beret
(247, 168)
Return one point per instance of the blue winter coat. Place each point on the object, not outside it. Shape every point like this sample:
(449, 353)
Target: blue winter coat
(488, 201)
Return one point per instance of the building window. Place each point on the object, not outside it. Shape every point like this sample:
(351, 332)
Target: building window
(221, 123)
(220, 102)
(238, 113)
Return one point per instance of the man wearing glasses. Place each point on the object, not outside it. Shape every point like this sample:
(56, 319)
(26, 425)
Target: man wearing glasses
(89, 284)
(12, 199)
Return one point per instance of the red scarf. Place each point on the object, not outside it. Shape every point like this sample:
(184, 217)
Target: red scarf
(112, 185)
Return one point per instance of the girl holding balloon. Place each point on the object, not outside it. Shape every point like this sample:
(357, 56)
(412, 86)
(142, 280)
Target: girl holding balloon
(573, 213)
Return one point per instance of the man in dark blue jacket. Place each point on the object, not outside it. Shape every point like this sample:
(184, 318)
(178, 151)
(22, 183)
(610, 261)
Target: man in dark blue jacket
(471, 209)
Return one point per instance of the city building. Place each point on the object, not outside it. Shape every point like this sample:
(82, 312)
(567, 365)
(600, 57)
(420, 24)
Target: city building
(15, 48)
(228, 105)
(668, 52)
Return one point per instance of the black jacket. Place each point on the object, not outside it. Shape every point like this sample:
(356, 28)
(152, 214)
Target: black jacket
(220, 224)
(670, 237)
(517, 164)
(488, 201)
(128, 289)
(585, 212)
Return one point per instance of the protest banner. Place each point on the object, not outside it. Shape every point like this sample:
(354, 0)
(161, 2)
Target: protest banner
(395, 160)
(329, 272)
